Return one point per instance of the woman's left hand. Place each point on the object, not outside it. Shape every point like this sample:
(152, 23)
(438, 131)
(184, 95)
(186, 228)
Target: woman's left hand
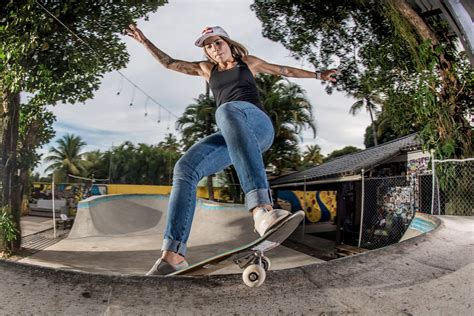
(329, 75)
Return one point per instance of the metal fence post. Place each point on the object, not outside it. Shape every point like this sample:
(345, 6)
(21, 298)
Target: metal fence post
(304, 206)
(54, 207)
(433, 180)
(362, 208)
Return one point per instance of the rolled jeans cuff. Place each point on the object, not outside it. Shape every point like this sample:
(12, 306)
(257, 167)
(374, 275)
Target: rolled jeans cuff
(258, 197)
(174, 246)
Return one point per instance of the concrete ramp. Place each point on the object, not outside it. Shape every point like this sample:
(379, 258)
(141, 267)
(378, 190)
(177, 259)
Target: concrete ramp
(119, 215)
(122, 234)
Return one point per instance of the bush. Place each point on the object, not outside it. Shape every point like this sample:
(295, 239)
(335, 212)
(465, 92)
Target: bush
(8, 231)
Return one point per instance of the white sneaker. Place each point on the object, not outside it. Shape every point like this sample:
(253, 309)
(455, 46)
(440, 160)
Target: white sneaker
(161, 267)
(266, 219)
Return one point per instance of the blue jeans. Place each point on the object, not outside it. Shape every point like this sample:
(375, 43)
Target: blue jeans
(245, 132)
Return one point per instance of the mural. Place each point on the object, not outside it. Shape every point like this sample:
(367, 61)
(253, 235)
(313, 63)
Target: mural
(319, 206)
(394, 213)
(418, 166)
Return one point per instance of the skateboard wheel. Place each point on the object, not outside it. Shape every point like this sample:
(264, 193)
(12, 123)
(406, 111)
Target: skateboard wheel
(254, 275)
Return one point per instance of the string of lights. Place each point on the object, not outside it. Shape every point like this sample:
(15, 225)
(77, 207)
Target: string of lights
(136, 87)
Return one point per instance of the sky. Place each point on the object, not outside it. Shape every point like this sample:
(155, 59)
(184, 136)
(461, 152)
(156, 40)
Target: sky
(117, 111)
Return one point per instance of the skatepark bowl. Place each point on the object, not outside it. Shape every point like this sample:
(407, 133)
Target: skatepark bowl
(115, 239)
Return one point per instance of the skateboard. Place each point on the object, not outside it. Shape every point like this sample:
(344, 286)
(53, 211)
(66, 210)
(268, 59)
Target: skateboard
(249, 257)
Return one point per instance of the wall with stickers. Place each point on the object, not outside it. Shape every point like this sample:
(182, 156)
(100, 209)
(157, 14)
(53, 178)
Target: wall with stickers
(319, 206)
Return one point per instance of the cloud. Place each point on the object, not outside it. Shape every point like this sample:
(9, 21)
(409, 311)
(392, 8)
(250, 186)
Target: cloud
(109, 119)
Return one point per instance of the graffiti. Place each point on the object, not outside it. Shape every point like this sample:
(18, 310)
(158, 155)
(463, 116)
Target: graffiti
(319, 206)
(398, 201)
(418, 166)
(394, 213)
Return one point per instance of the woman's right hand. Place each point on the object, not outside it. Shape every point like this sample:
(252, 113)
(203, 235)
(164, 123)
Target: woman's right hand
(134, 31)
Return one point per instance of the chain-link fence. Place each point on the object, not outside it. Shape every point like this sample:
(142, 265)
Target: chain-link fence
(453, 192)
(389, 205)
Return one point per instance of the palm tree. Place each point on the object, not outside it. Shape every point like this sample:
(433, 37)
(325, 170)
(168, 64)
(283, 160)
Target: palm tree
(290, 113)
(66, 158)
(313, 155)
(368, 97)
(197, 121)
(171, 148)
(170, 143)
(94, 164)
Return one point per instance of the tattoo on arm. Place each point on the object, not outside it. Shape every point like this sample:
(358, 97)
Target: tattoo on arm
(171, 63)
(283, 70)
(186, 67)
(162, 57)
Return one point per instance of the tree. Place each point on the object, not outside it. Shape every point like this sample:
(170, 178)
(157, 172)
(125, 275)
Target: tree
(197, 121)
(384, 132)
(312, 156)
(93, 164)
(172, 148)
(139, 164)
(367, 98)
(412, 57)
(341, 152)
(170, 143)
(66, 158)
(41, 57)
(290, 112)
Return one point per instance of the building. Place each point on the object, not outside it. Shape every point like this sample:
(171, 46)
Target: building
(381, 183)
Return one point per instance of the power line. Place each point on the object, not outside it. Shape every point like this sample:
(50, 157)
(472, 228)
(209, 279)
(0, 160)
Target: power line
(97, 55)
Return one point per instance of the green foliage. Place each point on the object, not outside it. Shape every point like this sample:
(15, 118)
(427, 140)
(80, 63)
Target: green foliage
(35, 130)
(290, 112)
(341, 152)
(455, 184)
(312, 156)
(8, 229)
(66, 158)
(198, 120)
(427, 87)
(140, 164)
(39, 56)
(170, 143)
(384, 133)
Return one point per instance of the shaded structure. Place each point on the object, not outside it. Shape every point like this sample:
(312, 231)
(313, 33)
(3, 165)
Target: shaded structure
(344, 177)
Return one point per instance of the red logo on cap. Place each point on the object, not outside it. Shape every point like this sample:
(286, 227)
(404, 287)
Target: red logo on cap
(207, 30)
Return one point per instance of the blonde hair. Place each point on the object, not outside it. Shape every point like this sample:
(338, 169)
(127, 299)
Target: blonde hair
(237, 50)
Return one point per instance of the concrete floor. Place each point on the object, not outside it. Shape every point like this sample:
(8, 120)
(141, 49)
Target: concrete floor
(431, 274)
(121, 235)
(32, 225)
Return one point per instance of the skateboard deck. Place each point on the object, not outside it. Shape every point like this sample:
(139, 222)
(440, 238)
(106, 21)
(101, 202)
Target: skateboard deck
(250, 255)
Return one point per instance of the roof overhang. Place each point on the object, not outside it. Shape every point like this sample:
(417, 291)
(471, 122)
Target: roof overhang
(351, 178)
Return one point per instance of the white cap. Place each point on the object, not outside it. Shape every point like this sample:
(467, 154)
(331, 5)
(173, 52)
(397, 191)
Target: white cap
(208, 32)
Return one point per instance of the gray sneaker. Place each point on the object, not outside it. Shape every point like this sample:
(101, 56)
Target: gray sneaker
(266, 219)
(162, 267)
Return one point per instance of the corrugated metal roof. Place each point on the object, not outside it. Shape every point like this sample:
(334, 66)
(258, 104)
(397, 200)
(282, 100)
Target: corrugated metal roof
(351, 164)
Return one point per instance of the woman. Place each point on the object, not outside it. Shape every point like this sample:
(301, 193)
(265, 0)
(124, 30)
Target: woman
(245, 132)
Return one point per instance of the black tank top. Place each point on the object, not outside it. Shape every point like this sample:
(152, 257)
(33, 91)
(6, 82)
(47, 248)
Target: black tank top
(235, 84)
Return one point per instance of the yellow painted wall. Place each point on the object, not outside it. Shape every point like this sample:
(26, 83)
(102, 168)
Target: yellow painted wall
(138, 189)
(144, 189)
(155, 189)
